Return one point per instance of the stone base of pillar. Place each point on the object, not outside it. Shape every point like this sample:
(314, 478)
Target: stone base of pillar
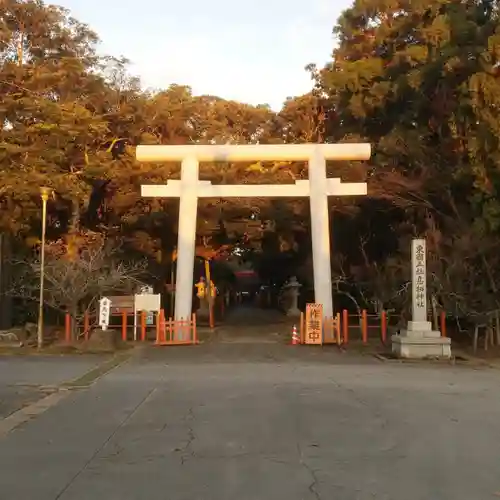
(293, 313)
(411, 344)
(203, 313)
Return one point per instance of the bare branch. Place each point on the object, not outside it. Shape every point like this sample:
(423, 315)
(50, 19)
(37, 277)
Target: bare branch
(74, 285)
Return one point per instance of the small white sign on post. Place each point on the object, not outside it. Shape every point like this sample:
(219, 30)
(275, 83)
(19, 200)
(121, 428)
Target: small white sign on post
(104, 310)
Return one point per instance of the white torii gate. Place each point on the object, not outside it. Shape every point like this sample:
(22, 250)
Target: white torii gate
(189, 188)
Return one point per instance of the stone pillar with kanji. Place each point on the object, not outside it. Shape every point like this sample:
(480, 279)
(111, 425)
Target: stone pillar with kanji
(419, 340)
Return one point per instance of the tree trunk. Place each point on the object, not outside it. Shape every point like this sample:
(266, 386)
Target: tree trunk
(72, 236)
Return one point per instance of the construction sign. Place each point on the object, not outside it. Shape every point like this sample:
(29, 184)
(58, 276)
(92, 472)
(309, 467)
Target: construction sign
(314, 324)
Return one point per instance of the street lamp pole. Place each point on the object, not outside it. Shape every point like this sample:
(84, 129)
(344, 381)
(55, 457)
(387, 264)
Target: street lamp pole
(44, 193)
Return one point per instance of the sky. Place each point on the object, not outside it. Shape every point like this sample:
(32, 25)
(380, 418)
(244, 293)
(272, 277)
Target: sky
(253, 51)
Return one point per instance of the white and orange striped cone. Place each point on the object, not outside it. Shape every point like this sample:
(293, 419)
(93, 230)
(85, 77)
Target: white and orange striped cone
(295, 336)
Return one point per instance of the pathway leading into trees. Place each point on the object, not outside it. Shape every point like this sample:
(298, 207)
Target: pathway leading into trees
(252, 324)
(254, 316)
(227, 421)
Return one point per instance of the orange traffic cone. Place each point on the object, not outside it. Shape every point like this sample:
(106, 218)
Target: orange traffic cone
(295, 336)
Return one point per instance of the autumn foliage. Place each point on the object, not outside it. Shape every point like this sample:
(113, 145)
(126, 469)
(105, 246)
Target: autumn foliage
(418, 80)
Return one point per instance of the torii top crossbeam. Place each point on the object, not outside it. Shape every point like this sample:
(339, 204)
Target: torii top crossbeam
(250, 152)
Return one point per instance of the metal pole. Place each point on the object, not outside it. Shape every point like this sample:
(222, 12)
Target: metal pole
(2, 306)
(44, 193)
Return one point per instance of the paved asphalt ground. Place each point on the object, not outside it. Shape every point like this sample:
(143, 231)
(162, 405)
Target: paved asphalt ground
(241, 421)
(25, 380)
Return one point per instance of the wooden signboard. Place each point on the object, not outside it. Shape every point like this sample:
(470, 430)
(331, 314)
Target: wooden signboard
(314, 324)
(122, 303)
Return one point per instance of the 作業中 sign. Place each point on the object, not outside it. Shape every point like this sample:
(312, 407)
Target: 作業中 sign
(314, 324)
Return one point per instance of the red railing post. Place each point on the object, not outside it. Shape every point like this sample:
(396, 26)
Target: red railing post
(124, 326)
(442, 321)
(345, 326)
(171, 330)
(383, 326)
(337, 329)
(195, 334)
(161, 332)
(158, 328)
(143, 326)
(364, 326)
(67, 327)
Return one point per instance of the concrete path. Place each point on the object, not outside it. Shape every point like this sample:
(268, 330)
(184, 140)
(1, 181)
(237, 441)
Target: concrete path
(267, 422)
(247, 323)
(46, 370)
(26, 379)
(250, 315)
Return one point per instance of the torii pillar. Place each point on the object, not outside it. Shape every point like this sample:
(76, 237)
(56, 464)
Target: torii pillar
(189, 188)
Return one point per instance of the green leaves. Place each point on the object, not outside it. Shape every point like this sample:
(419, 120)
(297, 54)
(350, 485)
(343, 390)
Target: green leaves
(419, 80)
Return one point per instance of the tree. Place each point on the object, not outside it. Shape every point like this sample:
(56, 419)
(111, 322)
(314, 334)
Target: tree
(75, 285)
(418, 81)
(49, 130)
(415, 79)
